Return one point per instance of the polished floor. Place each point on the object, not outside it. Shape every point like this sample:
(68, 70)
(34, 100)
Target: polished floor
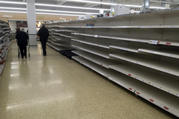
(55, 87)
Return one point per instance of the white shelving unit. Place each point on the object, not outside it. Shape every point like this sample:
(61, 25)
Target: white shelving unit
(59, 39)
(166, 68)
(142, 57)
(4, 43)
(164, 100)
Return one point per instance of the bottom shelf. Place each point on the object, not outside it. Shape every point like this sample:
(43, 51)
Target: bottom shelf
(160, 98)
(1, 68)
(57, 49)
(91, 66)
(64, 51)
(68, 53)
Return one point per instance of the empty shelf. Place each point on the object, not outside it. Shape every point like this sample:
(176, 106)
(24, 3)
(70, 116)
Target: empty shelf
(164, 100)
(153, 42)
(6, 28)
(57, 49)
(98, 53)
(56, 30)
(62, 35)
(89, 43)
(104, 72)
(168, 43)
(95, 59)
(154, 52)
(52, 40)
(90, 65)
(151, 78)
(3, 25)
(150, 64)
(114, 38)
(166, 54)
(83, 34)
(124, 49)
(59, 44)
(60, 39)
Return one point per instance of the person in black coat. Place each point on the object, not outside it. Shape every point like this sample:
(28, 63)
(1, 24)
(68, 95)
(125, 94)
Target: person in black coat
(43, 33)
(22, 42)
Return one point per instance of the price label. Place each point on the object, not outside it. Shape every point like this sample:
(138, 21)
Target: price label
(96, 36)
(168, 43)
(155, 42)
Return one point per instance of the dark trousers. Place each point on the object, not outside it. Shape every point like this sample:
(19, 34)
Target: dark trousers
(23, 51)
(43, 43)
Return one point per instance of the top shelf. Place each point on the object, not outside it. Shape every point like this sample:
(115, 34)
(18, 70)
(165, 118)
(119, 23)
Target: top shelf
(152, 42)
(124, 27)
(56, 30)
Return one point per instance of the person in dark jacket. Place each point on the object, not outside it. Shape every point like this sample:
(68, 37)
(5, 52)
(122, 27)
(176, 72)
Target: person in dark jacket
(22, 42)
(43, 33)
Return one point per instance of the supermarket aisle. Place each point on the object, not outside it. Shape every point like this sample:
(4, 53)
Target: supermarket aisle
(54, 87)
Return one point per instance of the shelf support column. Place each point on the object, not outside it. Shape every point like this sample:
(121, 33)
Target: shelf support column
(31, 21)
(146, 5)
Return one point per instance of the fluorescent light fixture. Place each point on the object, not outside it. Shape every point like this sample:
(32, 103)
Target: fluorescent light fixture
(153, 7)
(134, 6)
(59, 11)
(83, 1)
(166, 2)
(64, 6)
(93, 2)
(8, 11)
(51, 5)
(24, 12)
(12, 2)
(41, 13)
(140, 6)
(12, 8)
(46, 10)
(114, 4)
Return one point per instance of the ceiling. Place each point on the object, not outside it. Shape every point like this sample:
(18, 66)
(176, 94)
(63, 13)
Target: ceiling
(6, 16)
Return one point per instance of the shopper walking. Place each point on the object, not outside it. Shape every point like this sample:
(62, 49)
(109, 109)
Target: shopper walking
(43, 33)
(22, 42)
